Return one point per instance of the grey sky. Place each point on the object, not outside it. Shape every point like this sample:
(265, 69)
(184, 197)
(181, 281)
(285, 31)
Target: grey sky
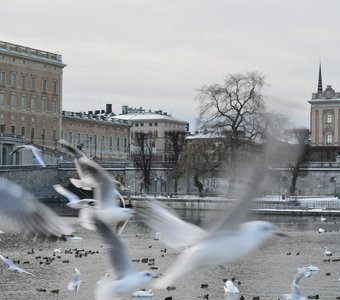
(155, 53)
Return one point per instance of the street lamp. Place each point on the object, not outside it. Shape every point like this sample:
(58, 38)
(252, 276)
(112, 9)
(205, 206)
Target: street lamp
(155, 185)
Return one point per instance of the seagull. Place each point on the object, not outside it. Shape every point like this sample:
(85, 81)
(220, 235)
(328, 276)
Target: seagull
(327, 252)
(107, 206)
(36, 152)
(74, 201)
(11, 266)
(127, 280)
(77, 280)
(229, 239)
(229, 287)
(323, 219)
(21, 212)
(304, 272)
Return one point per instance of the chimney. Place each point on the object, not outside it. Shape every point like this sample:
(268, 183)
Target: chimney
(108, 108)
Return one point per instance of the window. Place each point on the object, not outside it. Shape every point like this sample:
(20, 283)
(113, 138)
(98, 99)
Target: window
(23, 81)
(13, 79)
(118, 142)
(23, 101)
(44, 85)
(70, 137)
(150, 124)
(155, 134)
(125, 142)
(329, 138)
(32, 103)
(110, 141)
(2, 98)
(2, 77)
(32, 133)
(54, 86)
(13, 100)
(33, 83)
(13, 129)
(2, 128)
(43, 136)
(54, 105)
(54, 135)
(23, 130)
(79, 138)
(328, 118)
(155, 124)
(43, 104)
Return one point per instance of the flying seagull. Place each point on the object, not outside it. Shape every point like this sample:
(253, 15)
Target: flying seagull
(128, 280)
(11, 266)
(21, 212)
(36, 152)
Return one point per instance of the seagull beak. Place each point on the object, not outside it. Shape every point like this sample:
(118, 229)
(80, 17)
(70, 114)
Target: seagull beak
(281, 234)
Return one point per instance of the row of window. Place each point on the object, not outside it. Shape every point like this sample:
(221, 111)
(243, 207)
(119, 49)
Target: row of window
(25, 83)
(29, 103)
(13, 130)
(104, 128)
(151, 134)
(91, 142)
(142, 124)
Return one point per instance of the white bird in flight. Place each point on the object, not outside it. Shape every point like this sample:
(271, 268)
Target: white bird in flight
(77, 280)
(36, 152)
(227, 241)
(304, 272)
(21, 212)
(229, 287)
(128, 280)
(73, 200)
(11, 266)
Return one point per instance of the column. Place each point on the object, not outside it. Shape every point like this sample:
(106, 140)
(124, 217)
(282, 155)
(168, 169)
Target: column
(320, 128)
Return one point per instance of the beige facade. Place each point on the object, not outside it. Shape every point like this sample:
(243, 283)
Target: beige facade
(30, 97)
(324, 118)
(157, 124)
(97, 135)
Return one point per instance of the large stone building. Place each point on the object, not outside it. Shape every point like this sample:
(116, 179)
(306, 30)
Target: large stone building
(97, 133)
(30, 97)
(324, 116)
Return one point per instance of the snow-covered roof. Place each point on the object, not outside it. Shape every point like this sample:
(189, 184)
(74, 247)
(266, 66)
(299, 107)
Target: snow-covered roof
(147, 116)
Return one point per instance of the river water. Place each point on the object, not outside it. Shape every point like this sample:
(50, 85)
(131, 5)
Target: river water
(266, 272)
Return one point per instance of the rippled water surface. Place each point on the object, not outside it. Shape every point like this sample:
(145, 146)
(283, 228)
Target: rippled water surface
(267, 272)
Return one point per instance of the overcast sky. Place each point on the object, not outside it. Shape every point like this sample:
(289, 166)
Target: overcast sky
(156, 54)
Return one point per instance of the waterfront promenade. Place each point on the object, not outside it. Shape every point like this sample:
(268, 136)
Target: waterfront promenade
(325, 205)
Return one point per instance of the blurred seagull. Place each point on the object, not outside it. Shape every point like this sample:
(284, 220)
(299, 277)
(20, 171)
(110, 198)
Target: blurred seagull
(304, 272)
(21, 212)
(228, 240)
(127, 279)
(36, 152)
(74, 201)
(229, 287)
(77, 280)
(11, 266)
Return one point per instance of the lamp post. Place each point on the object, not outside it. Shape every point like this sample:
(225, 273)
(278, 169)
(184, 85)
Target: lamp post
(135, 185)
(155, 185)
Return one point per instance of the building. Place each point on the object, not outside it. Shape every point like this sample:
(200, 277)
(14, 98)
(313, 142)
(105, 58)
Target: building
(157, 124)
(30, 97)
(324, 116)
(97, 133)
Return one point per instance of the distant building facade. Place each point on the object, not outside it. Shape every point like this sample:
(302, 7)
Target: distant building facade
(324, 116)
(157, 124)
(30, 97)
(97, 134)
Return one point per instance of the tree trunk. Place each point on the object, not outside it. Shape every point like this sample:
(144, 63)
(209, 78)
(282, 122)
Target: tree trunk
(199, 185)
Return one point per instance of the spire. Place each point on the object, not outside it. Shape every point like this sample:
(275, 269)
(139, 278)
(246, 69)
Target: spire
(320, 80)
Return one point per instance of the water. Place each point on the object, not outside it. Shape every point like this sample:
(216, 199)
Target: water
(266, 272)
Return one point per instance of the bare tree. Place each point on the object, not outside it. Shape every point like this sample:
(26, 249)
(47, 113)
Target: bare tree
(299, 138)
(234, 110)
(174, 145)
(200, 157)
(142, 156)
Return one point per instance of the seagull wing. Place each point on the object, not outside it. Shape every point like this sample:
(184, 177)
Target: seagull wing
(36, 152)
(119, 259)
(75, 152)
(66, 193)
(175, 232)
(22, 212)
(104, 187)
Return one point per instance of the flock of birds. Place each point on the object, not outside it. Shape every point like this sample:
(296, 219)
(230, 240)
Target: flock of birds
(228, 238)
